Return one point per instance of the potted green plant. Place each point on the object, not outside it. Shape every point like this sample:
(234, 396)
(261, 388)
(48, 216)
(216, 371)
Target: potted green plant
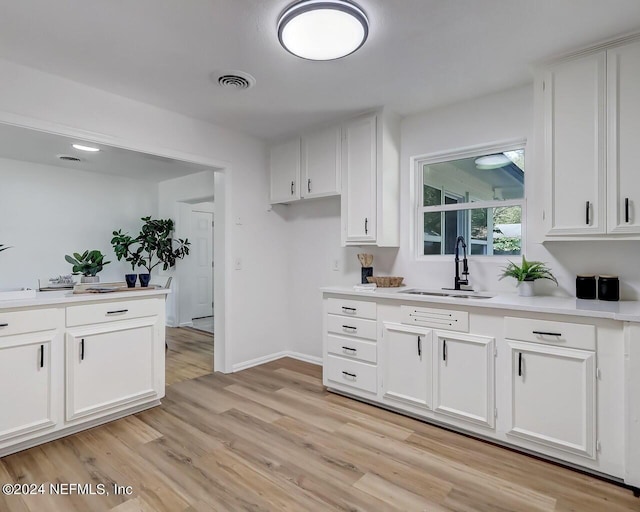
(526, 274)
(89, 263)
(152, 247)
(122, 243)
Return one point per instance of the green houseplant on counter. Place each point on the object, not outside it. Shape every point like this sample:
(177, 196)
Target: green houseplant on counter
(89, 263)
(152, 247)
(526, 274)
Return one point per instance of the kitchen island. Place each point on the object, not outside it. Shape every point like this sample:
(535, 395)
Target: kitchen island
(70, 362)
(553, 376)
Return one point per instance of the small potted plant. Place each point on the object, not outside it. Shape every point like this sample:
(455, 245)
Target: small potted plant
(526, 274)
(154, 247)
(89, 263)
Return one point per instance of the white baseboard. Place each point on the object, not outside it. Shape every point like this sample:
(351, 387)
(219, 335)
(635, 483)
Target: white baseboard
(272, 357)
(186, 324)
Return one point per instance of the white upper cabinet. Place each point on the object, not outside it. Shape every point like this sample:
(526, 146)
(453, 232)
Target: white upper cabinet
(591, 106)
(623, 102)
(359, 198)
(371, 181)
(285, 172)
(321, 162)
(306, 167)
(574, 110)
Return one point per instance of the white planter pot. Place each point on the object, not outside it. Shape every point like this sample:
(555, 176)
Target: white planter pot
(90, 279)
(525, 289)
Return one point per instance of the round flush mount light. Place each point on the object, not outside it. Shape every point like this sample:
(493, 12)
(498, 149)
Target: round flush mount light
(492, 161)
(82, 147)
(322, 29)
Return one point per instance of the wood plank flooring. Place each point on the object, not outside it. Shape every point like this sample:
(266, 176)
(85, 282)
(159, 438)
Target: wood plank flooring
(271, 438)
(190, 354)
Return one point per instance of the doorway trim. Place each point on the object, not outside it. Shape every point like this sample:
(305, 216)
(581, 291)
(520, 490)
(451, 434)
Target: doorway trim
(222, 213)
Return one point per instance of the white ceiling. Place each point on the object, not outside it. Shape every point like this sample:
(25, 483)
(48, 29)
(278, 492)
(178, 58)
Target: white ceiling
(43, 148)
(420, 53)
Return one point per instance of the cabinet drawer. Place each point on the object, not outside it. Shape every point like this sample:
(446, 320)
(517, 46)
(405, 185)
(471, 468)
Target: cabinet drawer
(112, 311)
(357, 308)
(357, 327)
(353, 349)
(562, 334)
(449, 319)
(351, 373)
(19, 322)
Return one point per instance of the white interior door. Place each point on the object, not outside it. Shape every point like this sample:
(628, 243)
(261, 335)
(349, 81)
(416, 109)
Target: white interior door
(202, 247)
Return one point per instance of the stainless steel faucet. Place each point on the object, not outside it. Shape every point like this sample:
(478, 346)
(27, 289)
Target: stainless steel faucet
(465, 266)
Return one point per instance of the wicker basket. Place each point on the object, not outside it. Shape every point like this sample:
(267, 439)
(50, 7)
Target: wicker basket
(386, 281)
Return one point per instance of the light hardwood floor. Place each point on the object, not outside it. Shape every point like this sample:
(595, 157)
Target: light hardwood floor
(271, 438)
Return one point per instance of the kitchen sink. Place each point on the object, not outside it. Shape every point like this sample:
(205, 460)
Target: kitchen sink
(445, 294)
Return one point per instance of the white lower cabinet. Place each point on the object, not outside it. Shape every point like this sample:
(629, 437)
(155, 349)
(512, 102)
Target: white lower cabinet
(464, 377)
(553, 396)
(111, 365)
(27, 399)
(407, 356)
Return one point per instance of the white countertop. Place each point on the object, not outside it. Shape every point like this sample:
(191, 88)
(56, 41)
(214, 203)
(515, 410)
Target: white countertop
(623, 310)
(67, 297)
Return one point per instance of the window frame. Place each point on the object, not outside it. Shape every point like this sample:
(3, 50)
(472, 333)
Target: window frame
(418, 162)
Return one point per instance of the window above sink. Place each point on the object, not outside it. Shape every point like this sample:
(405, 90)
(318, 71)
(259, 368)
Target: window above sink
(478, 194)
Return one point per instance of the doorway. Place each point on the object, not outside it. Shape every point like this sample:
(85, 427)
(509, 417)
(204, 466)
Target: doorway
(202, 267)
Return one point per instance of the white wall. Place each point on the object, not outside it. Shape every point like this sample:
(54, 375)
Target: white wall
(255, 292)
(47, 212)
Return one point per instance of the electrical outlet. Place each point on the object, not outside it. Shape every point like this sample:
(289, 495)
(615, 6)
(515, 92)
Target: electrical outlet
(336, 265)
(238, 264)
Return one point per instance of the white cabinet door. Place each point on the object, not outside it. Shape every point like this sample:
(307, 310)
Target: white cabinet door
(623, 111)
(27, 400)
(321, 162)
(359, 185)
(285, 172)
(464, 377)
(574, 105)
(112, 365)
(407, 357)
(553, 396)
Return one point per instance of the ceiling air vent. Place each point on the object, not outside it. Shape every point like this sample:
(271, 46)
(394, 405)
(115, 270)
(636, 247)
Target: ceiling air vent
(233, 79)
(69, 158)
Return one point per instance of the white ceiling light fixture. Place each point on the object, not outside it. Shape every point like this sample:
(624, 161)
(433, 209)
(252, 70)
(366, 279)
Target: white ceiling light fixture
(81, 147)
(492, 161)
(322, 29)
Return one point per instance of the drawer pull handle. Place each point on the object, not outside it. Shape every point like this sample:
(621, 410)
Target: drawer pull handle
(345, 309)
(349, 375)
(41, 356)
(544, 333)
(82, 349)
(366, 226)
(309, 185)
(351, 350)
(349, 328)
(519, 364)
(4, 325)
(444, 350)
(420, 346)
(117, 312)
(292, 184)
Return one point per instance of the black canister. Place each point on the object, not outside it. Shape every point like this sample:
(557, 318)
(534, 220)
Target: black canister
(586, 287)
(366, 272)
(608, 288)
